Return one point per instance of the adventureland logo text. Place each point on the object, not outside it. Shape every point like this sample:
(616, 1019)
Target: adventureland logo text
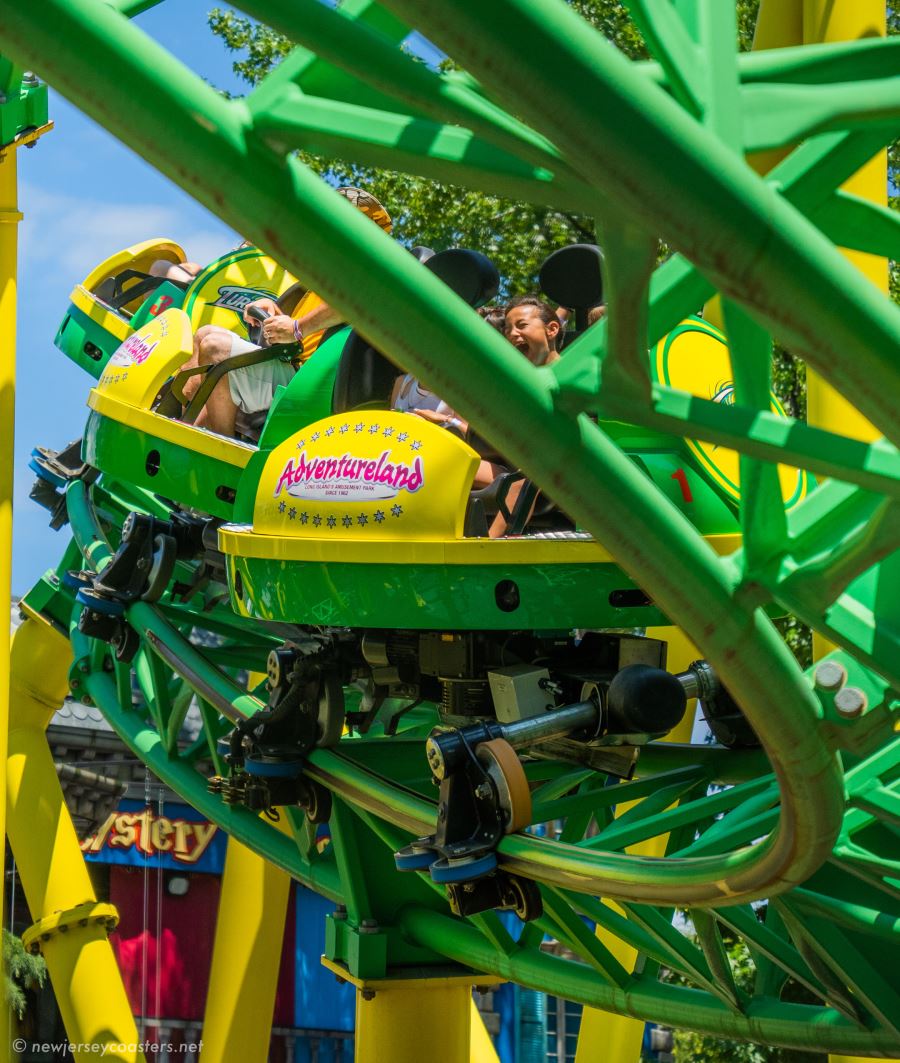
(134, 351)
(348, 478)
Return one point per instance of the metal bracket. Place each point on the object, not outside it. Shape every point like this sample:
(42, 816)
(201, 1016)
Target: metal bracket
(26, 139)
(80, 917)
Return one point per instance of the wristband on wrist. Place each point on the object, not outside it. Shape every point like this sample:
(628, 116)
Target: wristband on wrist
(298, 332)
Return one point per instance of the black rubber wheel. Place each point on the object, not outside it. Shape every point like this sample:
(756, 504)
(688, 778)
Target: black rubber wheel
(526, 898)
(726, 721)
(165, 553)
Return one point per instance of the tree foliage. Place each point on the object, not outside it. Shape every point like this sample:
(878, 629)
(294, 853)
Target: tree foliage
(22, 971)
(518, 236)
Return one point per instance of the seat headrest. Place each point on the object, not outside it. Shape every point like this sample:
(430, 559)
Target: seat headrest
(573, 276)
(470, 274)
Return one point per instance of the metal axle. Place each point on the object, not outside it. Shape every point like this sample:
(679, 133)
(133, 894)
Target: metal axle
(556, 724)
(448, 749)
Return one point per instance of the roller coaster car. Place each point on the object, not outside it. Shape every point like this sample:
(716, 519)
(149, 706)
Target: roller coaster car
(121, 295)
(362, 516)
(138, 432)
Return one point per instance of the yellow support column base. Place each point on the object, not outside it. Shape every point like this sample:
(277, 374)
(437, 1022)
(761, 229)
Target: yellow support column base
(406, 1020)
(407, 1024)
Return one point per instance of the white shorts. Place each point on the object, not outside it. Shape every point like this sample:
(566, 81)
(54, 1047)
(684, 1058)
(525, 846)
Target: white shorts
(253, 387)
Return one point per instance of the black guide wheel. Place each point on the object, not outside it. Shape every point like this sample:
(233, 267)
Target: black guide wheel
(316, 802)
(165, 553)
(330, 724)
(524, 897)
(125, 643)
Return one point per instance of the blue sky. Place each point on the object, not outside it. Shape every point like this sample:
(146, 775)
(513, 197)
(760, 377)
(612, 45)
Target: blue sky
(85, 196)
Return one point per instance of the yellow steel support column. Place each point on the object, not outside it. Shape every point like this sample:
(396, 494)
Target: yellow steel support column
(411, 1021)
(779, 24)
(603, 1035)
(253, 903)
(788, 23)
(408, 1024)
(9, 218)
(481, 1047)
(70, 928)
(237, 1026)
(406, 1020)
(847, 20)
(827, 21)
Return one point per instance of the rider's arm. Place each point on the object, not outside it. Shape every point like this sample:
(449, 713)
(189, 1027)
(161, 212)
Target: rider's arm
(320, 317)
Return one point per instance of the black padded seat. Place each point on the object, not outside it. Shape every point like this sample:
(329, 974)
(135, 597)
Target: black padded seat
(124, 301)
(364, 377)
(289, 299)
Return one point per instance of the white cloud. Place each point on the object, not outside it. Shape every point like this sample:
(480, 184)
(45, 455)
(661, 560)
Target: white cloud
(67, 235)
(63, 236)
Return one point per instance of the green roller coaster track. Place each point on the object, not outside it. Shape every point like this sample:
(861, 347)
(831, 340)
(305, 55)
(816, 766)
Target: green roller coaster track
(549, 112)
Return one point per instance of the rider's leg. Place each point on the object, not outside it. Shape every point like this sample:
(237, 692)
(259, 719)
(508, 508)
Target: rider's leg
(213, 345)
(217, 344)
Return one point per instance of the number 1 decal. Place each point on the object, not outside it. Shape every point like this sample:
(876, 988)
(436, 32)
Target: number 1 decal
(681, 477)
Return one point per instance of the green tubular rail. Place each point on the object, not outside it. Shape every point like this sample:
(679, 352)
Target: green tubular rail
(208, 682)
(639, 149)
(615, 875)
(772, 1021)
(146, 744)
